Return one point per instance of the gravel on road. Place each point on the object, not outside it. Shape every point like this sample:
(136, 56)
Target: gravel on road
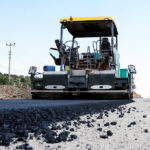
(75, 125)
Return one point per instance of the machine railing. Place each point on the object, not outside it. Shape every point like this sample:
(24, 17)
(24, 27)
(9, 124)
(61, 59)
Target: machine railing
(88, 57)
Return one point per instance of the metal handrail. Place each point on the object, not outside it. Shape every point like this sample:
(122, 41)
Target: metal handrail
(88, 54)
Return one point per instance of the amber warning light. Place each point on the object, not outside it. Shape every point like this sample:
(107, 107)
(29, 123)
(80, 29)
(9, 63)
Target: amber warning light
(70, 18)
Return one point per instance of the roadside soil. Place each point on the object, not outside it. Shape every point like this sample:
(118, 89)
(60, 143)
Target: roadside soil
(17, 92)
(14, 92)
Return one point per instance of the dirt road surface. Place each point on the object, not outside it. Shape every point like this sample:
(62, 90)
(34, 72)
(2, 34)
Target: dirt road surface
(75, 125)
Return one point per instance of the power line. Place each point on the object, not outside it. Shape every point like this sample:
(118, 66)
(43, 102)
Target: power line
(9, 53)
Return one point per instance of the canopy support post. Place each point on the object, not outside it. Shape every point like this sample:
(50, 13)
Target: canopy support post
(112, 36)
(117, 42)
(60, 49)
(100, 41)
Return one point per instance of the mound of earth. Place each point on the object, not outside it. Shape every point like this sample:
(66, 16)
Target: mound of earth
(14, 92)
(17, 92)
(136, 95)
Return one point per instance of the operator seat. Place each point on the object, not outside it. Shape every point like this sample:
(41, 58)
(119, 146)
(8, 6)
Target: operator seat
(105, 44)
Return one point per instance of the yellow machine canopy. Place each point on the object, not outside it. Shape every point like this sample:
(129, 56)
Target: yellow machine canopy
(90, 26)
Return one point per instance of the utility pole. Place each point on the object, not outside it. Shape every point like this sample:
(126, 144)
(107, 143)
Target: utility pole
(9, 53)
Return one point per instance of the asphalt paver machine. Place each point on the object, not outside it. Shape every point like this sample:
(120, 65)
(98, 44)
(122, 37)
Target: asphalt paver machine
(93, 74)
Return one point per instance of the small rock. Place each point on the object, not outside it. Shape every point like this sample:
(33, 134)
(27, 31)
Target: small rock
(83, 122)
(75, 124)
(67, 128)
(100, 116)
(106, 124)
(38, 138)
(73, 136)
(144, 116)
(103, 136)
(146, 130)
(109, 133)
(106, 112)
(113, 123)
(98, 124)
(72, 129)
(79, 123)
(63, 136)
(99, 129)
(93, 120)
(121, 115)
(129, 125)
(70, 139)
(49, 137)
(54, 127)
(22, 139)
(59, 146)
(68, 123)
(58, 127)
(31, 137)
(112, 110)
(89, 124)
(132, 123)
(88, 117)
(50, 140)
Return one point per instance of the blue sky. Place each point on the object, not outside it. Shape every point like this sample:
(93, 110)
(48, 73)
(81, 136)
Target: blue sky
(34, 25)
